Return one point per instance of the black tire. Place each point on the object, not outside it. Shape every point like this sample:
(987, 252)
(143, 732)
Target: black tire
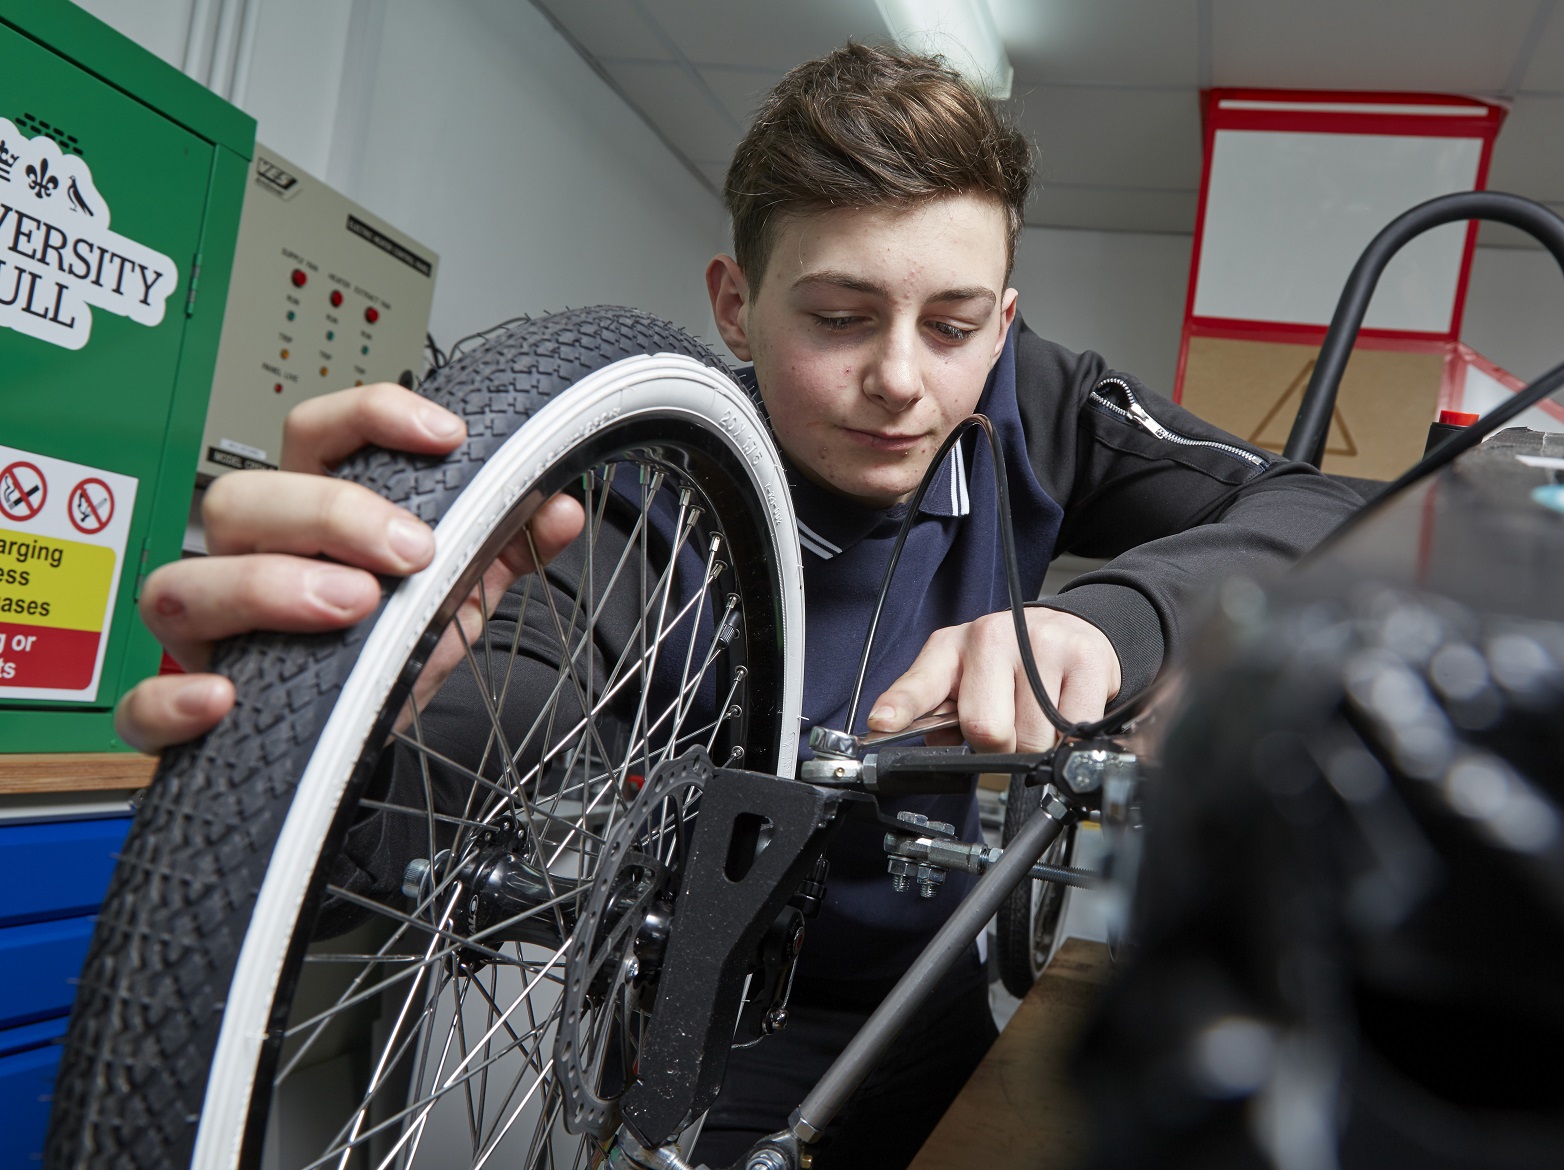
(1028, 920)
(133, 1083)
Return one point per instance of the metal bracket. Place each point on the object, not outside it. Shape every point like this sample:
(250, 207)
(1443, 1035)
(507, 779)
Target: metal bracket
(756, 839)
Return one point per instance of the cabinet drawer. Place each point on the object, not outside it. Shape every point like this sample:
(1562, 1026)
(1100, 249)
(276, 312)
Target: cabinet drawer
(57, 870)
(26, 1087)
(39, 963)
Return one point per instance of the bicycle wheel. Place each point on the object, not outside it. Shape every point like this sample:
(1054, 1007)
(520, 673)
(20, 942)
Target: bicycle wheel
(336, 936)
(1028, 920)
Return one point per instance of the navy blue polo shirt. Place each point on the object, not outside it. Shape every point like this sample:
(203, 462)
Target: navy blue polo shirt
(951, 571)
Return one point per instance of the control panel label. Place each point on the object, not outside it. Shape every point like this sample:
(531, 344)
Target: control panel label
(63, 531)
(58, 258)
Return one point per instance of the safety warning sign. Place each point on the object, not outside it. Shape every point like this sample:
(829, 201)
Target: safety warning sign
(63, 530)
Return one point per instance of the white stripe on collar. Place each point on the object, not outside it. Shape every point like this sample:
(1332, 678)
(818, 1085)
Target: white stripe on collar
(806, 543)
(963, 499)
(827, 548)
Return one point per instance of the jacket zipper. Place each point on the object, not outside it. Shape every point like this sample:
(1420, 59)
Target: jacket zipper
(1140, 416)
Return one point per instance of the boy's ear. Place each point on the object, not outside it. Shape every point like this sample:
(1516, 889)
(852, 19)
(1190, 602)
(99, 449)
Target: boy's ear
(1007, 318)
(729, 292)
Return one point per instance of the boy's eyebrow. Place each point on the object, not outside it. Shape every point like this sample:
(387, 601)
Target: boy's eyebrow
(836, 279)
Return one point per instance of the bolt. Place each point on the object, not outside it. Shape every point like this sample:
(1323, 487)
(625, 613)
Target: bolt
(901, 883)
(913, 818)
(930, 878)
(766, 1160)
(776, 1020)
(901, 871)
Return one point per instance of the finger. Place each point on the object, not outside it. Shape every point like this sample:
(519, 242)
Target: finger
(987, 699)
(931, 679)
(1034, 733)
(321, 432)
(1084, 694)
(171, 709)
(273, 511)
(190, 604)
(558, 522)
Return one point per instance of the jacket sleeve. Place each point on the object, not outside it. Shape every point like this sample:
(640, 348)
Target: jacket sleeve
(1177, 504)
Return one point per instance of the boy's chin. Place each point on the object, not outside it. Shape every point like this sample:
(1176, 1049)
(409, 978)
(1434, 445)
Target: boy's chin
(877, 491)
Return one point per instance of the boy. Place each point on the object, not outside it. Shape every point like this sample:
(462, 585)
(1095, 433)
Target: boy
(876, 203)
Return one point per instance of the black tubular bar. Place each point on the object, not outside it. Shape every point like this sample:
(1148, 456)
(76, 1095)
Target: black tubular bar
(1309, 429)
(861, 1056)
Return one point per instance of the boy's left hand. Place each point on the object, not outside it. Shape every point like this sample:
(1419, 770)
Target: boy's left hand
(979, 665)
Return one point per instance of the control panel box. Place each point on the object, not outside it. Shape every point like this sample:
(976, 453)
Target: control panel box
(324, 295)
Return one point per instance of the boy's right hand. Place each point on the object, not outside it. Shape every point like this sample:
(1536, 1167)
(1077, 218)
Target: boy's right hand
(267, 529)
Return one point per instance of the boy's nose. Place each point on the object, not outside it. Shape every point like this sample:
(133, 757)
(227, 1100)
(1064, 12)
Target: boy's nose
(894, 380)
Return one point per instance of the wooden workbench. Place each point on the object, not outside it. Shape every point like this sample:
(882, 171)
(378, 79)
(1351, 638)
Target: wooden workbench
(50, 772)
(1018, 1110)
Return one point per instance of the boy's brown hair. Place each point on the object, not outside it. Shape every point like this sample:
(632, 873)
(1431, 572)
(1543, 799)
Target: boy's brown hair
(864, 127)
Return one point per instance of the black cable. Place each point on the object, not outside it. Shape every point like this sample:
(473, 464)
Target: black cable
(437, 357)
(1306, 441)
(1012, 574)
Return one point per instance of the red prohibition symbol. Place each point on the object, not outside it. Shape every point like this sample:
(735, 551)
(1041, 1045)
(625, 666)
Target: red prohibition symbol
(91, 506)
(23, 490)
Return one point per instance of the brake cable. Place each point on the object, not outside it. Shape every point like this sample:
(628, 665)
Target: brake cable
(1066, 729)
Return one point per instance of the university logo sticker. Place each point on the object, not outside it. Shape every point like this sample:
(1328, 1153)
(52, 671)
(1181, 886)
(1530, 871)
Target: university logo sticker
(62, 552)
(58, 258)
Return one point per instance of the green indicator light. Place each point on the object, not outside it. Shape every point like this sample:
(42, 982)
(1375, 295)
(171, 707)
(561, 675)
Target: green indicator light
(291, 314)
(365, 349)
(330, 335)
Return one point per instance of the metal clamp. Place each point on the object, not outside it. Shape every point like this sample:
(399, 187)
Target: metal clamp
(1090, 766)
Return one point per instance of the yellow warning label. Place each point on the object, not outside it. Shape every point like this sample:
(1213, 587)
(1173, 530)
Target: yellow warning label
(63, 584)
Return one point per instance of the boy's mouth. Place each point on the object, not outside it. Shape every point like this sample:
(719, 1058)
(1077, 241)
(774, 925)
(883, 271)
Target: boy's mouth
(883, 440)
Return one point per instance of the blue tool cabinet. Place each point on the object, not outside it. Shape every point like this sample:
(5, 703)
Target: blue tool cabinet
(52, 879)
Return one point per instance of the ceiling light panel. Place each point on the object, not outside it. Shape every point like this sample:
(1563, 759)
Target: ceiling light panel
(961, 31)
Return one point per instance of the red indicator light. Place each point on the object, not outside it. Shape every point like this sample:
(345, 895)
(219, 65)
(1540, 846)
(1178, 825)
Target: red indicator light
(336, 297)
(300, 278)
(1458, 418)
(277, 389)
(371, 314)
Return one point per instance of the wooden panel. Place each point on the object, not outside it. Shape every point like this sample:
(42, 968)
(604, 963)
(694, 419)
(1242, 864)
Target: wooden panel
(74, 771)
(1018, 1110)
(1253, 389)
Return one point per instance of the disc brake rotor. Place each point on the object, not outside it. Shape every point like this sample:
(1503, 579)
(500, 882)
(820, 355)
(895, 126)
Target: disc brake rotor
(612, 965)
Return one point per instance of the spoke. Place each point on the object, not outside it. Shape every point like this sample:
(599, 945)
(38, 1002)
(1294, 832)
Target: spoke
(683, 530)
(518, 792)
(712, 569)
(380, 1067)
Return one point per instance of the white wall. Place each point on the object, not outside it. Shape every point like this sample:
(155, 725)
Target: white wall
(474, 127)
(1515, 310)
(1119, 293)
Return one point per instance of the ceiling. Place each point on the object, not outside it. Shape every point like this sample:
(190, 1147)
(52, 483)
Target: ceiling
(1107, 89)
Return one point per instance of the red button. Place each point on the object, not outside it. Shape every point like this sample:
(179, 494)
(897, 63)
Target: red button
(336, 297)
(300, 278)
(371, 314)
(1457, 418)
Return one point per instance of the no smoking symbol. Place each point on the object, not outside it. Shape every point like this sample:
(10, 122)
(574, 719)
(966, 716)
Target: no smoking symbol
(91, 506)
(23, 490)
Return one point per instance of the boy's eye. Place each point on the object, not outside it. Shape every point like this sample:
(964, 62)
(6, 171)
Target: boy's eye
(836, 324)
(951, 332)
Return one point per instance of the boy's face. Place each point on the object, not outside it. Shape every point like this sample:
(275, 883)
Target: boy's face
(872, 332)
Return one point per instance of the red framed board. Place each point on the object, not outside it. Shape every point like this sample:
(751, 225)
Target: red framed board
(1294, 185)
